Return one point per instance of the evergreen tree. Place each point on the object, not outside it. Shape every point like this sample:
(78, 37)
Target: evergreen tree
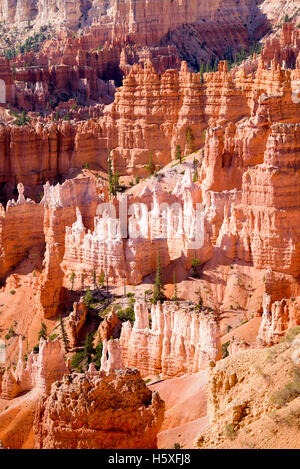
(189, 141)
(43, 331)
(110, 175)
(64, 335)
(158, 291)
(88, 298)
(175, 296)
(116, 184)
(178, 155)
(82, 281)
(88, 348)
(101, 279)
(199, 305)
(150, 166)
(72, 278)
(94, 278)
(195, 170)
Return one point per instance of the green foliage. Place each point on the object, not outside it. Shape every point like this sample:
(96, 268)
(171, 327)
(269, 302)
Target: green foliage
(189, 141)
(12, 292)
(137, 179)
(36, 349)
(76, 361)
(72, 278)
(158, 291)
(98, 354)
(178, 154)
(230, 431)
(289, 392)
(225, 352)
(199, 304)
(113, 178)
(195, 265)
(11, 332)
(21, 119)
(175, 296)
(101, 279)
(127, 314)
(150, 165)
(43, 331)
(88, 298)
(64, 335)
(177, 446)
(291, 334)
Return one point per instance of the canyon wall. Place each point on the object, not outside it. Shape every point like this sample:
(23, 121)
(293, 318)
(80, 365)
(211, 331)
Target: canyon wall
(91, 411)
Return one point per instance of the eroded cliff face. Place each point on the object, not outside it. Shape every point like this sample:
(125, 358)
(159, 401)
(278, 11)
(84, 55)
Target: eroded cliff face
(138, 21)
(249, 403)
(179, 340)
(37, 373)
(91, 411)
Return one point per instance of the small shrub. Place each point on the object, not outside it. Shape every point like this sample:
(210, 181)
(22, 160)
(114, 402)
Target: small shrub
(126, 314)
(177, 446)
(290, 391)
(225, 352)
(230, 431)
(292, 333)
(12, 292)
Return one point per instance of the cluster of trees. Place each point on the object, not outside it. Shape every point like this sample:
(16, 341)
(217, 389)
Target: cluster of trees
(21, 119)
(33, 42)
(232, 57)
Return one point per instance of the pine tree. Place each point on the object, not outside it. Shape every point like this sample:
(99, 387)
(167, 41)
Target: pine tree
(94, 279)
(195, 170)
(116, 184)
(150, 166)
(43, 331)
(64, 336)
(72, 278)
(101, 279)
(189, 141)
(199, 305)
(82, 281)
(88, 298)
(178, 153)
(88, 348)
(110, 175)
(175, 296)
(158, 291)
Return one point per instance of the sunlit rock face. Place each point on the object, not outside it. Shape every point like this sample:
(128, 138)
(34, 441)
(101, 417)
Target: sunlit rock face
(179, 340)
(115, 411)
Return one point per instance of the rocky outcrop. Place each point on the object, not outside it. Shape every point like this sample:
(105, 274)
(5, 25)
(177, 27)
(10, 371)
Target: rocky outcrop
(76, 321)
(147, 23)
(179, 340)
(38, 372)
(168, 229)
(277, 318)
(61, 205)
(245, 389)
(95, 412)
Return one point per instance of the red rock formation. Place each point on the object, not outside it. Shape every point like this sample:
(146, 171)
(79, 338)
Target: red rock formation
(277, 318)
(178, 341)
(117, 411)
(38, 372)
(75, 321)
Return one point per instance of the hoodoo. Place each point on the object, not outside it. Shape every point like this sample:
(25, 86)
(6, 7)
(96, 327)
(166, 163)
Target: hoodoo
(149, 225)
